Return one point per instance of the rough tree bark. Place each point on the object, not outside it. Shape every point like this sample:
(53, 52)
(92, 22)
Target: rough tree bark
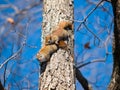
(59, 71)
(115, 81)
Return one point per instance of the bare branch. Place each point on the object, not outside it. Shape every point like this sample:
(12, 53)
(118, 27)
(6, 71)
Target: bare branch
(82, 80)
(4, 6)
(92, 32)
(89, 62)
(83, 21)
(13, 56)
(106, 43)
(1, 86)
(25, 10)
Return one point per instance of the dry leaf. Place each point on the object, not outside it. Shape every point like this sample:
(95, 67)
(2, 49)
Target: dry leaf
(87, 45)
(10, 20)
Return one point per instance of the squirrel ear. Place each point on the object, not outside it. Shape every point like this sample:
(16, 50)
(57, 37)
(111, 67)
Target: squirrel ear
(50, 40)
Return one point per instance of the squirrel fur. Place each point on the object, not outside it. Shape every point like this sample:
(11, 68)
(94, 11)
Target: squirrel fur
(46, 51)
(60, 33)
(54, 41)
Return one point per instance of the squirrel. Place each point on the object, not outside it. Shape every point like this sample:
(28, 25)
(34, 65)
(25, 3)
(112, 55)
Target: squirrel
(60, 33)
(46, 51)
(54, 41)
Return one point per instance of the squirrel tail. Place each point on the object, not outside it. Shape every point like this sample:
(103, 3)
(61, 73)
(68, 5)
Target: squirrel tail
(66, 25)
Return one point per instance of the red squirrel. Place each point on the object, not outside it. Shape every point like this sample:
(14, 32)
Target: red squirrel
(45, 52)
(54, 41)
(60, 33)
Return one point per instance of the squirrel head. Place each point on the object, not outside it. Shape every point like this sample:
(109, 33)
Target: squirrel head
(41, 57)
(51, 39)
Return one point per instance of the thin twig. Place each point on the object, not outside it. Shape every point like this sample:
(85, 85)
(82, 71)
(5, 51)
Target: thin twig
(14, 55)
(89, 14)
(25, 10)
(93, 61)
(92, 32)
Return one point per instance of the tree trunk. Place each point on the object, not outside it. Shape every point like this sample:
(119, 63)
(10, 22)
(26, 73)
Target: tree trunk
(115, 81)
(1, 86)
(59, 71)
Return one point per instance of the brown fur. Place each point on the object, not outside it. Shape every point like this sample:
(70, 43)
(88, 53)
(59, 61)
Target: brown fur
(62, 45)
(65, 25)
(59, 33)
(45, 52)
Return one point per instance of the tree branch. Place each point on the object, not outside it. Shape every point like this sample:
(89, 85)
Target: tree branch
(82, 80)
(92, 32)
(89, 14)
(14, 55)
(1, 86)
(93, 61)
